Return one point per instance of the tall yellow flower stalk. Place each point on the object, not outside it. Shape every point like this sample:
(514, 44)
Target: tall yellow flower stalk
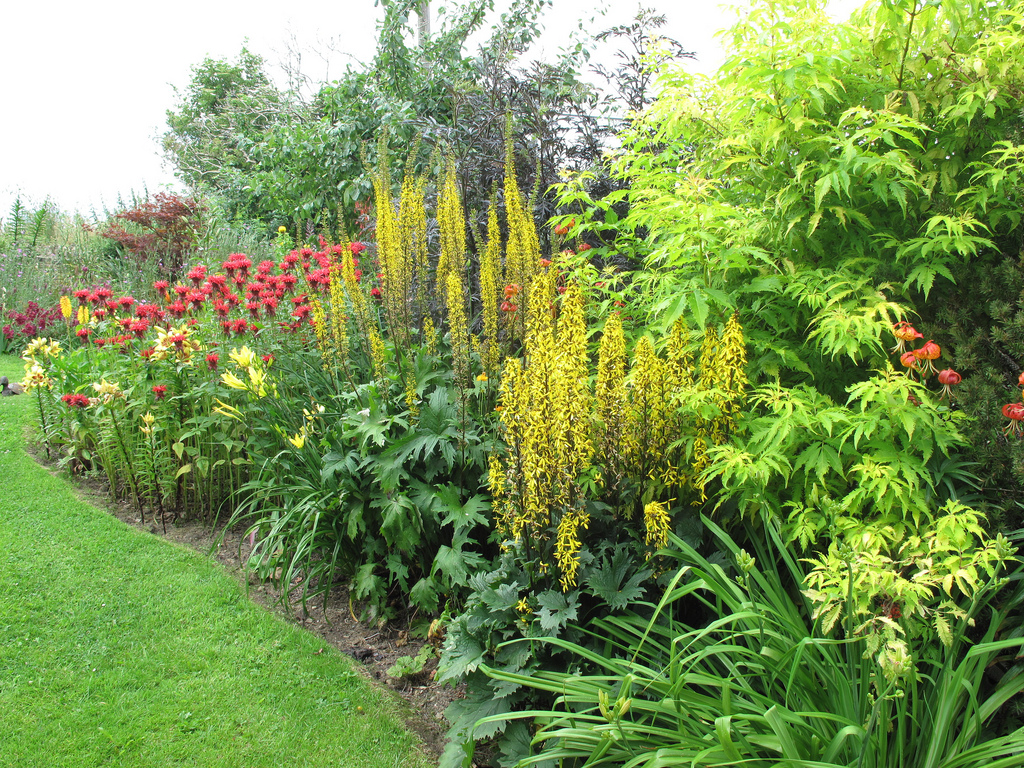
(451, 223)
(648, 430)
(394, 239)
(491, 285)
(611, 398)
(730, 376)
(412, 219)
(546, 407)
(723, 362)
(679, 360)
(522, 251)
(330, 316)
(320, 327)
(458, 329)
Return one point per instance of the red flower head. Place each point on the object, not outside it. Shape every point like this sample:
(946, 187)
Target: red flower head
(583, 247)
(376, 294)
(909, 360)
(82, 296)
(357, 248)
(160, 391)
(161, 286)
(100, 313)
(197, 274)
(512, 290)
(75, 401)
(139, 328)
(211, 361)
(563, 229)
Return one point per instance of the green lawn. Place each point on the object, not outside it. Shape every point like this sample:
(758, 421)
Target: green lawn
(120, 649)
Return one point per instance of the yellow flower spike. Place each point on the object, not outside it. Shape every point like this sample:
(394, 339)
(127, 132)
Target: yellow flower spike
(65, 307)
(83, 315)
(657, 524)
(457, 328)
(491, 282)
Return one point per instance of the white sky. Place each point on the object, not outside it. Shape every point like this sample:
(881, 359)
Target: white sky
(86, 85)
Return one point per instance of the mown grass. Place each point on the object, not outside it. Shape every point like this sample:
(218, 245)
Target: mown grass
(120, 649)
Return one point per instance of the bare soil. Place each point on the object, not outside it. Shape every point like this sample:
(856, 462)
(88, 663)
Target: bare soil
(376, 648)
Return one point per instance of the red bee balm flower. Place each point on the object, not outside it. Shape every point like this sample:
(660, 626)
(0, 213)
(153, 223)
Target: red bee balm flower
(211, 361)
(159, 391)
(197, 274)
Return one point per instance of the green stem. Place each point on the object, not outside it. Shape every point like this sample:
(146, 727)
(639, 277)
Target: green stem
(132, 482)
